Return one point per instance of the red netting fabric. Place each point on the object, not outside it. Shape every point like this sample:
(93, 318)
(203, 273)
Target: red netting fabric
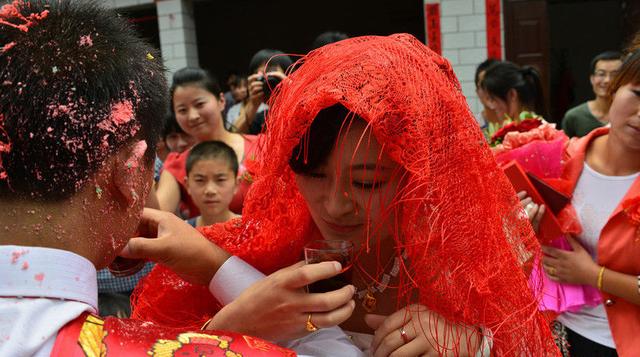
(460, 222)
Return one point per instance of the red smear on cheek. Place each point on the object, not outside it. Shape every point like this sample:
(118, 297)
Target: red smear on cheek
(25, 266)
(39, 277)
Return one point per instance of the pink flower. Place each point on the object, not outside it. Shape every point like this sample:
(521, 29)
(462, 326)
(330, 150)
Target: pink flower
(520, 127)
(514, 139)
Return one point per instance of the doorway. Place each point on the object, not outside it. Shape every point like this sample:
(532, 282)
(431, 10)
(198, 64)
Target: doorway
(567, 35)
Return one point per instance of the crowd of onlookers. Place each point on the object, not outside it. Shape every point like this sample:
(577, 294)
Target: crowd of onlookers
(208, 132)
(506, 90)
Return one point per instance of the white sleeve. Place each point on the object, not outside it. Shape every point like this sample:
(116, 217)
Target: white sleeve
(326, 342)
(233, 277)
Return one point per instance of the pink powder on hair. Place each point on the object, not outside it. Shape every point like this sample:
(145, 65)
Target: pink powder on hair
(8, 46)
(39, 277)
(86, 40)
(121, 112)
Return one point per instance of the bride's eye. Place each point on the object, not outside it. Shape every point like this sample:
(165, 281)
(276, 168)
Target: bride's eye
(314, 175)
(368, 185)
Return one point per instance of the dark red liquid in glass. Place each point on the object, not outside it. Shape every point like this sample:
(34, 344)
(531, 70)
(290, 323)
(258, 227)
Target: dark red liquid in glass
(333, 283)
(337, 281)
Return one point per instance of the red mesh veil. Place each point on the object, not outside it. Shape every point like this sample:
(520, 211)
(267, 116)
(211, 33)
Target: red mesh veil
(459, 220)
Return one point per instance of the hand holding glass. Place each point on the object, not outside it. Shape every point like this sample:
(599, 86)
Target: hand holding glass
(330, 250)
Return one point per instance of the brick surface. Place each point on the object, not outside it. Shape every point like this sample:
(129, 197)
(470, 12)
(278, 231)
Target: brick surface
(452, 56)
(478, 6)
(472, 23)
(465, 72)
(167, 7)
(124, 3)
(456, 7)
(474, 104)
(469, 89)
(167, 52)
(164, 22)
(458, 40)
(481, 39)
(172, 36)
(472, 55)
(449, 24)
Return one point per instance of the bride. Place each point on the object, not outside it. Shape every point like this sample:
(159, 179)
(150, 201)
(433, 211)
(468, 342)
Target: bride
(370, 140)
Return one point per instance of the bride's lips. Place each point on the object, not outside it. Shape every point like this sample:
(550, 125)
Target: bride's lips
(341, 228)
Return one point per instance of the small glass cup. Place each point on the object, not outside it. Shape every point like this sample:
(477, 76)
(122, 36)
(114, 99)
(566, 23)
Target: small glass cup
(330, 250)
(121, 267)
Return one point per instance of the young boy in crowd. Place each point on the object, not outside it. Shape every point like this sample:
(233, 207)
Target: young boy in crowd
(212, 180)
(79, 109)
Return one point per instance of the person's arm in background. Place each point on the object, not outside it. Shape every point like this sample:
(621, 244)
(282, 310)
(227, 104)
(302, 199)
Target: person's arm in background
(256, 97)
(167, 192)
(152, 199)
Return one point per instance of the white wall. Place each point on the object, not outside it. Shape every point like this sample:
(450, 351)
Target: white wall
(177, 29)
(464, 41)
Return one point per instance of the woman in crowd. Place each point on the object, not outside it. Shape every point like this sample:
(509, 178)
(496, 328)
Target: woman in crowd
(197, 101)
(371, 141)
(600, 174)
(486, 118)
(512, 90)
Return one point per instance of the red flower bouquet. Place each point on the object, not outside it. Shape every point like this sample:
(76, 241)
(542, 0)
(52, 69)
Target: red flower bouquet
(520, 127)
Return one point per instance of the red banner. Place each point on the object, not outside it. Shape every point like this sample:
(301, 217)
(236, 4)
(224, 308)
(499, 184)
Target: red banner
(494, 38)
(434, 34)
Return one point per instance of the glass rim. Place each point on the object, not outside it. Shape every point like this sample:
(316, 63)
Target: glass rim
(348, 245)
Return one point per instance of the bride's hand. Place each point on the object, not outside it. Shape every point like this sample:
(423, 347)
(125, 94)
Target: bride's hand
(417, 331)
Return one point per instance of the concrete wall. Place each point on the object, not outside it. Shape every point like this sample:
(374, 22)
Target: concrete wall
(464, 41)
(463, 27)
(177, 28)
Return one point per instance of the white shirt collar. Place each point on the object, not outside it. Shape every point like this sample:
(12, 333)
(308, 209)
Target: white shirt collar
(48, 273)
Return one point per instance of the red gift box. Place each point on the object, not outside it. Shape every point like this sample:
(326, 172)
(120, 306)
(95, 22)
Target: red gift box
(541, 193)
